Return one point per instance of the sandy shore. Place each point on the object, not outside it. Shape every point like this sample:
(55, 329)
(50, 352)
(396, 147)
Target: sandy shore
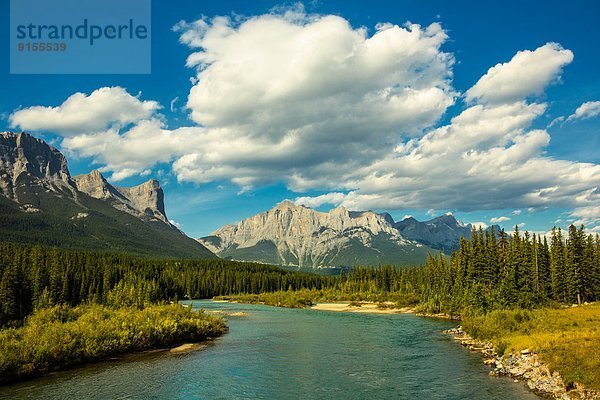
(187, 347)
(365, 307)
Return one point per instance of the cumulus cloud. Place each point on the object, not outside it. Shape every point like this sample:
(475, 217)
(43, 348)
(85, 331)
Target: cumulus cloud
(587, 110)
(478, 225)
(317, 201)
(588, 216)
(496, 220)
(526, 74)
(139, 148)
(81, 113)
(315, 103)
(302, 94)
(487, 157)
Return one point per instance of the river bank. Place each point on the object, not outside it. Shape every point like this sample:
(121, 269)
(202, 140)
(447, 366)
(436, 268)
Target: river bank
(524, 366)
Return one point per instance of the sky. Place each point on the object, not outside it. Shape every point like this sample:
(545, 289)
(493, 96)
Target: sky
(488, 111)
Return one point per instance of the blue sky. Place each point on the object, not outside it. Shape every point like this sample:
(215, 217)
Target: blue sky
(479, 36)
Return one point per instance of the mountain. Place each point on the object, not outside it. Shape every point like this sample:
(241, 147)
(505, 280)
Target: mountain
(40, 202)
(294, 235)
(145, 201)
(442, 233)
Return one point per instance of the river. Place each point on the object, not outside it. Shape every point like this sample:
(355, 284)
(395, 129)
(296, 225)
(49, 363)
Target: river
(278, 353)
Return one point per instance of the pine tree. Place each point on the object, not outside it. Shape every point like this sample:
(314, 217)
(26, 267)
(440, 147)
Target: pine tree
(558, 266)
(575, 272)
(544, 267)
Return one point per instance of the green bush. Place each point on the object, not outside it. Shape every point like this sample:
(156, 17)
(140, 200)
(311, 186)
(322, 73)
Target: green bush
(62, 336)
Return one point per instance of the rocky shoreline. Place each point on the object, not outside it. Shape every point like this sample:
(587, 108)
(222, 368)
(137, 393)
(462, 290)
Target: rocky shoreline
(524, 367)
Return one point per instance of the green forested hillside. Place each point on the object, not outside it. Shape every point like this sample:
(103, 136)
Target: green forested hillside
(91, 224)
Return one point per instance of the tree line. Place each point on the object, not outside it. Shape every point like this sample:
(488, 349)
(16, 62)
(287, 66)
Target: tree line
(495, 271)
(488, 271)
(33, 277)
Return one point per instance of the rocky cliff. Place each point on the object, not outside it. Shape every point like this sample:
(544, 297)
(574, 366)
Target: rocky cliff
(295, 235)
(145, 200)
(27, 162)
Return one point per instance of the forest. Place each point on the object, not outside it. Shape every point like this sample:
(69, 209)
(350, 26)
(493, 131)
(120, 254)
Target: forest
(35, 277)
(489, 271)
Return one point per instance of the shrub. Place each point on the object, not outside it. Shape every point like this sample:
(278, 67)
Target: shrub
(61, 336)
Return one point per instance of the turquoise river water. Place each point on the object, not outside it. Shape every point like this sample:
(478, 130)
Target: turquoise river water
(278, 353)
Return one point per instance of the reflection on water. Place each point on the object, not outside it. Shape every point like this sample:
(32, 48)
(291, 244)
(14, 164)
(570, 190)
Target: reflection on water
(276, 353)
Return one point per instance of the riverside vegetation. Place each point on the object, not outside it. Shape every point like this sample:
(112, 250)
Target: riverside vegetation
(567, 339)
(61, 336)
(489, 272)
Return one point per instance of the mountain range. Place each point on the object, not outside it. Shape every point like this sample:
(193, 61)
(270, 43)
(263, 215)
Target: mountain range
(40, 202)
(297, 236)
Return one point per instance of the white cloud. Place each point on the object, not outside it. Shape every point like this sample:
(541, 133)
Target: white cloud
(517, 212)
(587, 216)
(104, 108)
(297, 94)
(587, 110)
(497, 220)
(175, 223)
(317, 201)
(407, 216)
(555, 121)
(134, 151)
(526, 74)
(521, 224)
(310, 101)
(478, 225)
(488, 157)
(172, 105)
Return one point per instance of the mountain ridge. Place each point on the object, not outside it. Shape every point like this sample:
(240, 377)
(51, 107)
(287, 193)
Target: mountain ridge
(41, 203)
(295, 235)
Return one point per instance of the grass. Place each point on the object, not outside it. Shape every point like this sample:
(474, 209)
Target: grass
(568, 339)
(62, 336)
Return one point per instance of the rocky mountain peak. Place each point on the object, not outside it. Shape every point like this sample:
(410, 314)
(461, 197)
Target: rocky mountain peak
(292, 234)
(95, 185)
(285, 204)
(144, 200)
(147, 197)
(26, 160)
(447, 219)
